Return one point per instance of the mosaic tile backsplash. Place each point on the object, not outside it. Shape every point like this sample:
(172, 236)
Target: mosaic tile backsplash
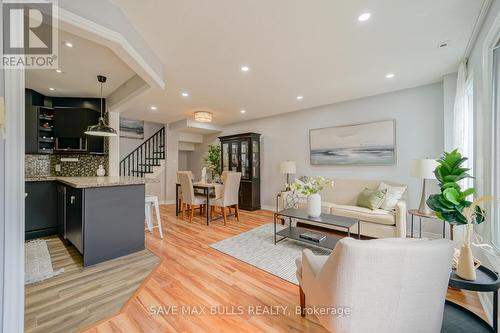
(45, 165)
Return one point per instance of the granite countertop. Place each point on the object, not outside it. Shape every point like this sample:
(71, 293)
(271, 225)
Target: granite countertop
(88, 182)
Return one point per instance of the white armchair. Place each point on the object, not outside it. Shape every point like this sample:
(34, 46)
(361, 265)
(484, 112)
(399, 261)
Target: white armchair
(388, 285)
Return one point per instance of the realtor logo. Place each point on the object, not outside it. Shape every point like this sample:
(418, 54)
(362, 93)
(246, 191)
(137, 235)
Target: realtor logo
(30, 34)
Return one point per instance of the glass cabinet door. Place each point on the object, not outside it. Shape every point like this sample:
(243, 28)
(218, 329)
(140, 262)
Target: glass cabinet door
(225, 157)
(244, 153)
(255, 159)
(234, 156)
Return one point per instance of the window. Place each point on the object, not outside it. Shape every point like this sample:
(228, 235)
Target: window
(496, 145)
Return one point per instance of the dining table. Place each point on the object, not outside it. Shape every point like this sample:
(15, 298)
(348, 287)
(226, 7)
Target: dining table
(208, 189)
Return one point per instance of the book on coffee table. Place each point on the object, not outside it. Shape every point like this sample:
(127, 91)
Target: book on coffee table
(312, 237)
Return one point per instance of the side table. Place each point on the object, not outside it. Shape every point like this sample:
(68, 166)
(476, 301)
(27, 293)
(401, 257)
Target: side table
(415, 213)
(459, 319)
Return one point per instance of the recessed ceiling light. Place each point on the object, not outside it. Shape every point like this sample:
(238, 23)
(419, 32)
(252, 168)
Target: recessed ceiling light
(153, 107)
(242, 111)
(364, 17)
(58, 71)
(52, 89)
(300, 97)
(245, 68)
(185, 94)
(389, 75)
(68, 44)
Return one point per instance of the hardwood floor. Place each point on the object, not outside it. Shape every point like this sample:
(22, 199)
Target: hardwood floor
(192, 275)
(81, 296)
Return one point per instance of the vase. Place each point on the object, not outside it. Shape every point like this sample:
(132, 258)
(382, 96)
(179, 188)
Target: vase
(466, 267)
(314, 205)
(100, 171)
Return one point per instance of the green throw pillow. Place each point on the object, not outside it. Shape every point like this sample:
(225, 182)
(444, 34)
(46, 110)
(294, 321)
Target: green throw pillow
(371, 199)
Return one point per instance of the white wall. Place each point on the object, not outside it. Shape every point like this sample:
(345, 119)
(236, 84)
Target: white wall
(183, 160)
(128, 145)
(419, 122)
(449, 92)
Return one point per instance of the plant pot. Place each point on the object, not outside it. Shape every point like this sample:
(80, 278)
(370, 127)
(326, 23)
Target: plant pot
(314, 205)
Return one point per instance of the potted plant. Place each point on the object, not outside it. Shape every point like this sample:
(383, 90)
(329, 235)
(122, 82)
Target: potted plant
(212, 161)
(452, 206)
(310, 188)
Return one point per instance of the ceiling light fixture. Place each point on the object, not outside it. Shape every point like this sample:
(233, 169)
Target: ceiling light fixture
(58, 71)
(68, 44)
(245, 68)
(52, 89)
(203, 116)
(153, 107)
(364, 17)
(389, 75)
(101, 128)
(299, 98)
(242, 111)
(185, 94)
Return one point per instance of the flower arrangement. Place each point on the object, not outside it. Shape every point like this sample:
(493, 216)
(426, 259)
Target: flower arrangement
(310, 185)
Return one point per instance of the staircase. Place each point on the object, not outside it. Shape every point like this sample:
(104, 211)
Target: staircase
(147, 159)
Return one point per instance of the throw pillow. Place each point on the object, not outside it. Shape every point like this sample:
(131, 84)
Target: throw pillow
(394, 194)
(371, 199)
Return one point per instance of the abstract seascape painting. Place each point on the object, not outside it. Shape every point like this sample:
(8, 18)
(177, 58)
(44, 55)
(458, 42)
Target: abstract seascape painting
(361, 144)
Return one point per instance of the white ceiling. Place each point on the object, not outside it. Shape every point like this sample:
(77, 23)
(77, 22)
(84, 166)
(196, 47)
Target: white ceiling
(80, 66)
(317, 49)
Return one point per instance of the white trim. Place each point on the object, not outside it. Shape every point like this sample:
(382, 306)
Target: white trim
(13, 238)
(102, 35)
(114, 145)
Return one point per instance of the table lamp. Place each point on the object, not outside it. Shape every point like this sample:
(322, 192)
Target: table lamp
(287, 168)
(423, 169)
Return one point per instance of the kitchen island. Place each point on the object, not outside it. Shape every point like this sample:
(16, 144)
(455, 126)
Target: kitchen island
(103, 217)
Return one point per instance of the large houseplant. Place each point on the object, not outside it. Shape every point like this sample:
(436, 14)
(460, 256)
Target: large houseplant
(451, 205)
(310, 188)
(212, 161)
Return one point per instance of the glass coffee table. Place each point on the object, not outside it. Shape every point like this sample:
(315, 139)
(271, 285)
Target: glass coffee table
(326, 219)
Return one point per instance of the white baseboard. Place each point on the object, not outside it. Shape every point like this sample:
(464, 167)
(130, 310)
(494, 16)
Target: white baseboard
(267, 207)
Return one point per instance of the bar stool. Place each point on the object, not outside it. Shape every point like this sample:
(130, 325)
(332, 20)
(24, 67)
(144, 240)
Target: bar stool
(152, 200)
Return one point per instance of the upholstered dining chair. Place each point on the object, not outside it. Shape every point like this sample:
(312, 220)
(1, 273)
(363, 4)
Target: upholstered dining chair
(230, 195)
(189, 198)
(223, 176)
(389, 285)
(190, 173)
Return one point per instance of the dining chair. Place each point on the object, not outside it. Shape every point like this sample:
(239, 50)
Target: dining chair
(190, 173)
(223, 176)
(230, 195)
(189, 198)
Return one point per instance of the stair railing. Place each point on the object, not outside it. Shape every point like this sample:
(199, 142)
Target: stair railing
(145, 157)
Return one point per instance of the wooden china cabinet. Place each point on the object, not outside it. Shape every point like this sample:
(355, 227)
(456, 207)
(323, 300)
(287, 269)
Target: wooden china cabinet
(241, 153)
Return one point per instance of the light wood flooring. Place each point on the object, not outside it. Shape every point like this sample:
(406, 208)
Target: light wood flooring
(81, 296)
(193, 274)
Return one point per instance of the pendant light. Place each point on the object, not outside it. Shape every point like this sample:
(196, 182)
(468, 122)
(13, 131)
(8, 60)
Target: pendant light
(101, 129)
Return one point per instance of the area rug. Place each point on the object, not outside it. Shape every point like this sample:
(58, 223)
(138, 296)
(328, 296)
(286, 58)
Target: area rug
(37, 262)
(256, 247)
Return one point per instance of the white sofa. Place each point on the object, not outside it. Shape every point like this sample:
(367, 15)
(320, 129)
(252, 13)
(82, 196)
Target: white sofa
(341, 200)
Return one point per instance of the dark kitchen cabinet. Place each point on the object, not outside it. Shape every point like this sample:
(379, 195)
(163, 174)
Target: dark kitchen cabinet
(70, 122)
(40, 209)
(31, 129)
(61, 210)
(74, 217)
(241, 153)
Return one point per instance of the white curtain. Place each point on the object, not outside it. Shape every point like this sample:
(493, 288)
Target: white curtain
(463, 124)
